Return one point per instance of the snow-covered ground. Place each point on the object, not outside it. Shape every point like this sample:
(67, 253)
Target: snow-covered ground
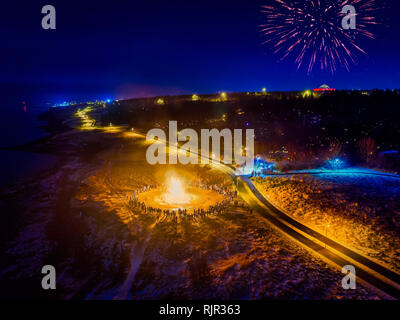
(357, 207)
(232, 255)
(102, 249)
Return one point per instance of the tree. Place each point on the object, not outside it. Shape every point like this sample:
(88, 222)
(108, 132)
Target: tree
(335, 147)
(293, 151)
(367, 148)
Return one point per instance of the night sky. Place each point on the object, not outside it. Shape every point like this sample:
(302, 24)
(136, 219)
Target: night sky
(121, 49)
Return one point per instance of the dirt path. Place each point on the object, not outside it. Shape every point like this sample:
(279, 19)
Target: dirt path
(136, 258)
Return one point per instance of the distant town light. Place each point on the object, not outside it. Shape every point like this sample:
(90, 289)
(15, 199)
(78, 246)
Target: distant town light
(195, 97)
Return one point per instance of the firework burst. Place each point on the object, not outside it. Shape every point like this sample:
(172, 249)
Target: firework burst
(312, 32)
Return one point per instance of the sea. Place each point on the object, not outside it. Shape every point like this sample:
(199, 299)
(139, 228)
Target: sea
(20, 124)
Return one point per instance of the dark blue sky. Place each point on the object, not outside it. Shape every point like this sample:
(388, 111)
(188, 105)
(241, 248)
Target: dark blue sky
(127, 48)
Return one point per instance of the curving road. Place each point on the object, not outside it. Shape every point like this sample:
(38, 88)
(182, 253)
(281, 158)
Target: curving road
(377, 275)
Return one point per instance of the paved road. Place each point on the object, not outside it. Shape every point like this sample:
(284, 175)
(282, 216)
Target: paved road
(378, 275)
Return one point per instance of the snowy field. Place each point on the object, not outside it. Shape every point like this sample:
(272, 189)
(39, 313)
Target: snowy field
(357, 207)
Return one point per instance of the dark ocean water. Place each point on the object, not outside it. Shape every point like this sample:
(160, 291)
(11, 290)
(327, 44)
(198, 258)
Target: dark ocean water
(20, 126)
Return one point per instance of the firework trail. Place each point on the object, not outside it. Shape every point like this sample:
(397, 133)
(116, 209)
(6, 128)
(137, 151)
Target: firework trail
(311, 30)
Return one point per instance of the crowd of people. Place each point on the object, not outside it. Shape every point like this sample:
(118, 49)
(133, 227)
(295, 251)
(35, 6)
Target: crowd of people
(183, 214)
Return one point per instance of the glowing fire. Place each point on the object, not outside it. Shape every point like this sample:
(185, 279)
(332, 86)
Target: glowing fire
(176, 193)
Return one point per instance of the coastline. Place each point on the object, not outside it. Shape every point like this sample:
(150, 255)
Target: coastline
(27, 160)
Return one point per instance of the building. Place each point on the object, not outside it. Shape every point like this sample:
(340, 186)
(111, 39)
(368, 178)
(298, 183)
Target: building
(324, 88)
